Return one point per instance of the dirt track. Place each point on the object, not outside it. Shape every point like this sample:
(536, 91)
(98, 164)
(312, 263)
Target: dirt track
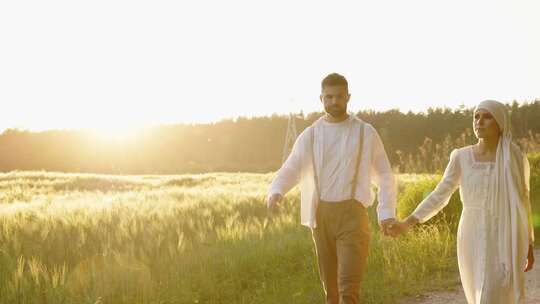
(532, 290)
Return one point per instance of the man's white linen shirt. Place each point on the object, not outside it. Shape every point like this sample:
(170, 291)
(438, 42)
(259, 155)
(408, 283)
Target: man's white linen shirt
(335, 150)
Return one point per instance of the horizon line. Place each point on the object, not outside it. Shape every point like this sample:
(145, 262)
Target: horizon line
(461, 107)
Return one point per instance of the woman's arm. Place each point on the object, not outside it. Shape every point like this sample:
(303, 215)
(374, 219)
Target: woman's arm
(440, 197)
(435, 201)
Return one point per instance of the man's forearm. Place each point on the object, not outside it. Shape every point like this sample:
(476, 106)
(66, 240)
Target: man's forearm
(386, 196)
(284, 181)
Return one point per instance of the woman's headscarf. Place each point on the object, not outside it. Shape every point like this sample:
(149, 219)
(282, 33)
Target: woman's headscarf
(509, 214)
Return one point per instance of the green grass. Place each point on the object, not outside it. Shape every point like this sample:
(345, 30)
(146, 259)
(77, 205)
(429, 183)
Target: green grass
(534, 161)
(74, 238)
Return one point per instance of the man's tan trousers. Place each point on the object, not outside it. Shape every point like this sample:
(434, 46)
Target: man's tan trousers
(342, 242)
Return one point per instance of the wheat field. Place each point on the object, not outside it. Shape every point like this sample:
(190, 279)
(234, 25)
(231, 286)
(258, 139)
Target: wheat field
(83, 238)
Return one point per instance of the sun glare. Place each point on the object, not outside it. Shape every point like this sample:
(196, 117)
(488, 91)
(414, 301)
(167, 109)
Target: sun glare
(117, 133)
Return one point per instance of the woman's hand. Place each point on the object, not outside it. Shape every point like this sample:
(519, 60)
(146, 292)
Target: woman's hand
(398, 228)
(530, 259)
(401, 227)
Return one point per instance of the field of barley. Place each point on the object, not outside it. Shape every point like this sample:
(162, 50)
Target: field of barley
(83, 238)
(207, 238)
(79, 238)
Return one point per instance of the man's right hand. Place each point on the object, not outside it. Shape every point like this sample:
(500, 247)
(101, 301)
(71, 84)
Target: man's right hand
(273, 202)
(387, 226)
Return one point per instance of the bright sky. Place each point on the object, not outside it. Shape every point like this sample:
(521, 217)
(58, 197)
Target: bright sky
(114, 64)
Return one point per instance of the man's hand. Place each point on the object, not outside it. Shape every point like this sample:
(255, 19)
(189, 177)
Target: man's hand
(273, 202)
(387, 225)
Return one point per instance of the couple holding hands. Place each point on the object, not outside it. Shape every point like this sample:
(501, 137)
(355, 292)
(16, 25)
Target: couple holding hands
(336, 159)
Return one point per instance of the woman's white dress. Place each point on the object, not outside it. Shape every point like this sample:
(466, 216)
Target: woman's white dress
(477, 246)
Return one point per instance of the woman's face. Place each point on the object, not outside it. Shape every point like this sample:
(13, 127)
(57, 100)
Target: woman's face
(485, 125)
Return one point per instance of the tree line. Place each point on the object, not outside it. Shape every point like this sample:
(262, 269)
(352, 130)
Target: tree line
(243, 144)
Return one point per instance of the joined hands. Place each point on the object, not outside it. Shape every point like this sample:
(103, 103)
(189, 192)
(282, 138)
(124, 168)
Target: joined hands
(392, 227)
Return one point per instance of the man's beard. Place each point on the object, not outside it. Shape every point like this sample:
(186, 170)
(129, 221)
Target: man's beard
(335, 111)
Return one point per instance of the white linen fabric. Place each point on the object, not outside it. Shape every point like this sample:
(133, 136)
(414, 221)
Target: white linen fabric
(308, 156)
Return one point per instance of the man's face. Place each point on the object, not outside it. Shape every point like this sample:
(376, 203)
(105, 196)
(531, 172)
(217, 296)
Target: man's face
(335, 99)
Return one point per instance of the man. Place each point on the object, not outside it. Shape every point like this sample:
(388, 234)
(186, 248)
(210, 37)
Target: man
(334, 161)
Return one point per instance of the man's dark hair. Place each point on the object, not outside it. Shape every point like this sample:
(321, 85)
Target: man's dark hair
(334, 79)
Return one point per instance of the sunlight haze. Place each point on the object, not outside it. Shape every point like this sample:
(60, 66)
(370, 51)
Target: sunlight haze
(113, 65)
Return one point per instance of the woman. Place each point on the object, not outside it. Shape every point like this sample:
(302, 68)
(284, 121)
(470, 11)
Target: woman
(495, 234)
